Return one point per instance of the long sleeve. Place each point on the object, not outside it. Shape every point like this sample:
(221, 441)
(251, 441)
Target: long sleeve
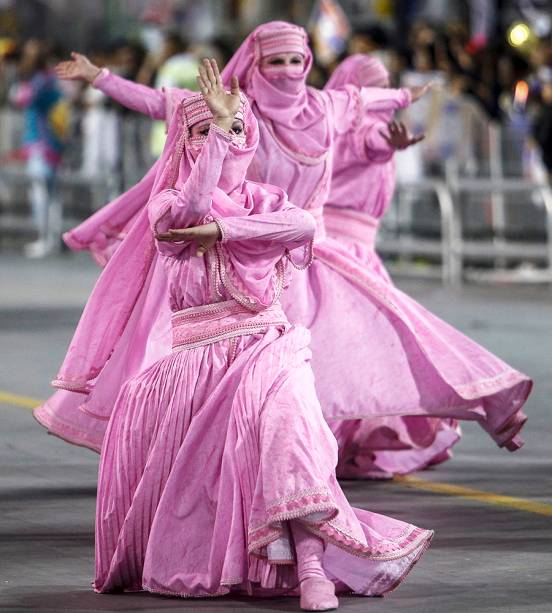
(140, 98)
(189, 206)
(384, 99)
(289, 228)
(351, 102)
(376, 147)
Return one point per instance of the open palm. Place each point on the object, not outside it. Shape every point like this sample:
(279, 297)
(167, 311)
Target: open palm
(222, 104)
(79, 68)
(398, 136)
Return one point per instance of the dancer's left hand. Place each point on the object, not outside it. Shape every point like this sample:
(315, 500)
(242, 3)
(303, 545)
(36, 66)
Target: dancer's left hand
(205, 236)
(399, 137)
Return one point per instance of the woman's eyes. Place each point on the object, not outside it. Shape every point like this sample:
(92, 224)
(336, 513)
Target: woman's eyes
(204, 132)
(278, 61)
(237, 130)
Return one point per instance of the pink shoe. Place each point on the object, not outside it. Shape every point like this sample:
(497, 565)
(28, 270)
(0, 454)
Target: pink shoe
(318, 595)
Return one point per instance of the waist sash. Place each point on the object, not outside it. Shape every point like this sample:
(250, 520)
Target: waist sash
(352, 225)
(209, 323)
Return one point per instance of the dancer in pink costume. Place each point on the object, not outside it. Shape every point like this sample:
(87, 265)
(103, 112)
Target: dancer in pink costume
(407, 362)
(376, 352)
(363, 182)
(217, 470)
(103, 232)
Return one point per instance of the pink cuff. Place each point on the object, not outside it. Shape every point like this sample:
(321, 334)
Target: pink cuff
(224, 238)
(220, 132)
(408, 97)
(104, 72)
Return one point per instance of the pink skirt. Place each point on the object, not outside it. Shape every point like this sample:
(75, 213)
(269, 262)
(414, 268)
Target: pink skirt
(379, 356)
(208, 454)
(380, 448)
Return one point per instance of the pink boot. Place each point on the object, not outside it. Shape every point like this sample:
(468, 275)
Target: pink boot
(317, 591)
(318, 595)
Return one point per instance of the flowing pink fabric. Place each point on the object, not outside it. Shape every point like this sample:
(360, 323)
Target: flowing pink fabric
(343, 303)
(102, 233)
(395, 445)
(216, 446)
(354, 315)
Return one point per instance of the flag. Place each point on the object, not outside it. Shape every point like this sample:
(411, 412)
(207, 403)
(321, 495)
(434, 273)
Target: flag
(329, 29)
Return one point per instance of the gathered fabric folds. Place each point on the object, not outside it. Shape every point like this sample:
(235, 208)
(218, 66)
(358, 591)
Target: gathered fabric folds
(413, 363)
(223, 444)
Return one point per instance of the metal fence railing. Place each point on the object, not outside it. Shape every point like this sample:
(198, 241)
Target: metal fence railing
(472, 219)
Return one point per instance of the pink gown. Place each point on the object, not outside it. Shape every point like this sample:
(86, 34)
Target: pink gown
(212, 449)
(413, 364)
(363, 182)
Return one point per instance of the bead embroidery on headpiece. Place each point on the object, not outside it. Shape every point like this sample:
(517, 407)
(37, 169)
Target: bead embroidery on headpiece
(286, 41)
(195, 110)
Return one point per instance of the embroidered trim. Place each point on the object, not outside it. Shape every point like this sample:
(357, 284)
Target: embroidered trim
(222, 229)
(224, 272)
(72, 386)
(240, 330)
(185, 323)
(218, 130)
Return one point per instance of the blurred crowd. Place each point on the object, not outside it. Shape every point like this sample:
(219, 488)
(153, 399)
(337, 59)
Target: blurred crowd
(48, 124)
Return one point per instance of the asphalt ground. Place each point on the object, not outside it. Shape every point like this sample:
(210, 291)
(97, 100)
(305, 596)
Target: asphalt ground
(491, 510)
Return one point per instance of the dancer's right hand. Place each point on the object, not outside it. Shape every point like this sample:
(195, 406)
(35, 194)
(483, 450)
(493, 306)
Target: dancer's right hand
(79, 68)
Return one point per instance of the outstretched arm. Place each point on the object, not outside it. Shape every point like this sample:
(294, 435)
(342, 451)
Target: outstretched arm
(140, 98)
(349, 103)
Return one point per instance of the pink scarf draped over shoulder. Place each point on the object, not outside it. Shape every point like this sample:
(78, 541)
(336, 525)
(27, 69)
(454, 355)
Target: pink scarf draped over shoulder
(134, 268)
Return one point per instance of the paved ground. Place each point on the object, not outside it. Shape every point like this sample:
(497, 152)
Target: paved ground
(485, 558)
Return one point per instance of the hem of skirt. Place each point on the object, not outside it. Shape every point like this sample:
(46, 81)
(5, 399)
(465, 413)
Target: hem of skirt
(424, 547)
(469, 391)
(72, 436)
(386, 474)
(222, 591)
(326, 531)
(269, 532)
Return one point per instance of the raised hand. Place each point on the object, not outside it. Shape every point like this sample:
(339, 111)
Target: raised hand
(222, 104)
(79, 68)
(399, 137)
(419, 91)
(205, 236)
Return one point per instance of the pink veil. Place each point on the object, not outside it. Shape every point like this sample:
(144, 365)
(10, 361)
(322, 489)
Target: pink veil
(135, 268)
(297, 120)
(359, 69)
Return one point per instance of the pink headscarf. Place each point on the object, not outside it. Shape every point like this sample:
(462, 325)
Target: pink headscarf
(135, 266)
(295, 114)
(360, 70)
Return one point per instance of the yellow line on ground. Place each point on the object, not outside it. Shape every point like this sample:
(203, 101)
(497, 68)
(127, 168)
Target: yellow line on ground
(19, 401)
(448, 489)
(511, 502)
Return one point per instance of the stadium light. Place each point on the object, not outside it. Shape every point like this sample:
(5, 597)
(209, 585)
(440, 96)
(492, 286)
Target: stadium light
(519, 34)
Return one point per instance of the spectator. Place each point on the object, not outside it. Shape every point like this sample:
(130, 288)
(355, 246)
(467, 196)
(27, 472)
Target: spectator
(46, 124)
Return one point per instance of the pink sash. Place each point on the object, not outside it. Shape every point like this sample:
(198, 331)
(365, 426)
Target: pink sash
(350, 224)
(209, 323)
